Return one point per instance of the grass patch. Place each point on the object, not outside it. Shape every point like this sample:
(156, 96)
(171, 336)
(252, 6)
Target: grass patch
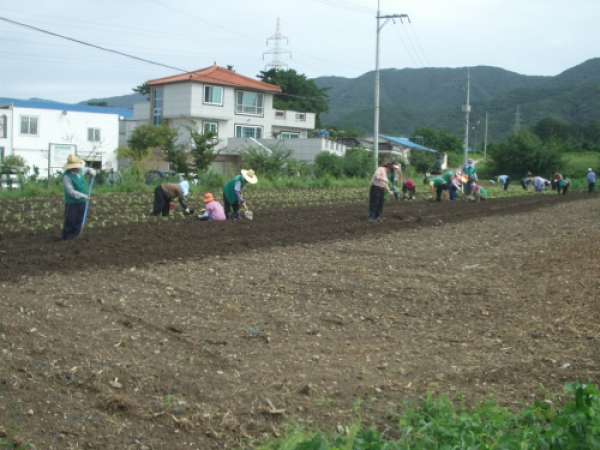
(438, 423)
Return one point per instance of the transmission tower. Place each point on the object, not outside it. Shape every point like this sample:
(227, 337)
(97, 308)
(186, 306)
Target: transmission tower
(276, 50)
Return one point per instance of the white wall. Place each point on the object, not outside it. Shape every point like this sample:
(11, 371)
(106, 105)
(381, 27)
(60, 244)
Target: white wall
(61, 127)
(182, 101)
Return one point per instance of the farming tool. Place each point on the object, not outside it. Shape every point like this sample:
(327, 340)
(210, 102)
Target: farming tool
(87, 204)
(247, 213)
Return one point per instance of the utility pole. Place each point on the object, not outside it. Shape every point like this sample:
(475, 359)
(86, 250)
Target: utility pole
(376, 120)
(467, 109)
(485, 138)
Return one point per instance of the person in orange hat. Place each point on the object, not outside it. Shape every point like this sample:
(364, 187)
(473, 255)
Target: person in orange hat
(213, 210)
(76, 195)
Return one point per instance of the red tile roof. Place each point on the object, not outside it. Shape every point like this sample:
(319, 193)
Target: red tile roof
(219, 76)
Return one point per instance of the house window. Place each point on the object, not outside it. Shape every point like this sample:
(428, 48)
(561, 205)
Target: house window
(94, 134)
(1, 154)
(249, 102)
(243, 131)
(207, 127)
(288, 135)
(157, 107)
(29, 125)
(3, 120)
(210, 126)
(213, 95)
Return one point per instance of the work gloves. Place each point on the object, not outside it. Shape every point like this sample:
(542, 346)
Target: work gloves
(92, 172)
(189, 212)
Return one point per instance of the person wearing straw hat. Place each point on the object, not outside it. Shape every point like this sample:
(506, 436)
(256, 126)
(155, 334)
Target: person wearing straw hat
(76, 195)
(232, 192)
(591, 180)
(164, 194)
(213, 210)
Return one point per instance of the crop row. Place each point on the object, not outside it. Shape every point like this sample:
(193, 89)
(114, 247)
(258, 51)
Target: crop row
(43, 213)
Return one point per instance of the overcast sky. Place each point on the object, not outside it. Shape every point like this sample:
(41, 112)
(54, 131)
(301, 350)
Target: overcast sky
(323, 38)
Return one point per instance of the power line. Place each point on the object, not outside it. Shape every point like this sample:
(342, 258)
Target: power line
(14, 22)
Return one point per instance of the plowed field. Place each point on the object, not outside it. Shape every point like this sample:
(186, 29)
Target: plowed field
(175, 334)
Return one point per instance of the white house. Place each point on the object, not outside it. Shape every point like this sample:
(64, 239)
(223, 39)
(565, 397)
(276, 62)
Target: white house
(44, 133)
(237, 108)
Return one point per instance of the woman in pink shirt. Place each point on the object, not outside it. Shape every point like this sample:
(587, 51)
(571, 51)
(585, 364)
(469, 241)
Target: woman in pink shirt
(213, 210)
(379, 184)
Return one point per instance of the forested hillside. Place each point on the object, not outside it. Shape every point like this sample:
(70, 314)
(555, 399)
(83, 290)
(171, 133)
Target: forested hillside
(433, 97)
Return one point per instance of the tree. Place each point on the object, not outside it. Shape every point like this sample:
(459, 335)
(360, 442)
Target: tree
(327, 163)
(440, 140)
(11, 163)
(298, 92)
(524, 151)
(202, 146)
(271, 163)
(101, 103)
(143, 89)
(174, 153)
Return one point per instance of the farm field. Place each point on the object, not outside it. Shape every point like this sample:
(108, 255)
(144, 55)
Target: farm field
(157, 333)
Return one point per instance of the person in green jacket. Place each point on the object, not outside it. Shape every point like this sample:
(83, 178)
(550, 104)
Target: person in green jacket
(479, 193)
(393, 178)
(232, 192)
(439, 185)
(76, 195)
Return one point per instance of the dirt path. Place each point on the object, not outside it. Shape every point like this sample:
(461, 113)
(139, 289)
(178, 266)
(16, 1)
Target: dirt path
(195, 335)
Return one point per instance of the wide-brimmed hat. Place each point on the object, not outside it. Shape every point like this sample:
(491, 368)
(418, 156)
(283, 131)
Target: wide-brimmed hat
(73, 162)
(250, 176)
(590, 169)
(208, 197)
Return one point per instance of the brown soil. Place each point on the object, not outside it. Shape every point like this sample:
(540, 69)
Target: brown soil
(197, 335)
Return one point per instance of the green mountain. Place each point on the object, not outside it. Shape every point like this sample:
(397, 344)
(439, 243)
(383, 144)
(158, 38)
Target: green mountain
(121, 101)
(433, 97)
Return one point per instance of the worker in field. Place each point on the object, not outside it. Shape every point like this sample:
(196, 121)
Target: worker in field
(213, 210)
(76, 195)
(393, 177)
(479, 193)
(455, 186)
(471, 174)
(540, 184)
(562, 184)
(527, 180)
(380, 183)
(164, 194)
(409, 190)
(503, 181)
(232, 193)
(439, 185)
(591, 180)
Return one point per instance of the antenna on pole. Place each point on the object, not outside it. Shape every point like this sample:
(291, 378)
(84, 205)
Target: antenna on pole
(376, 118)
(276, 50)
